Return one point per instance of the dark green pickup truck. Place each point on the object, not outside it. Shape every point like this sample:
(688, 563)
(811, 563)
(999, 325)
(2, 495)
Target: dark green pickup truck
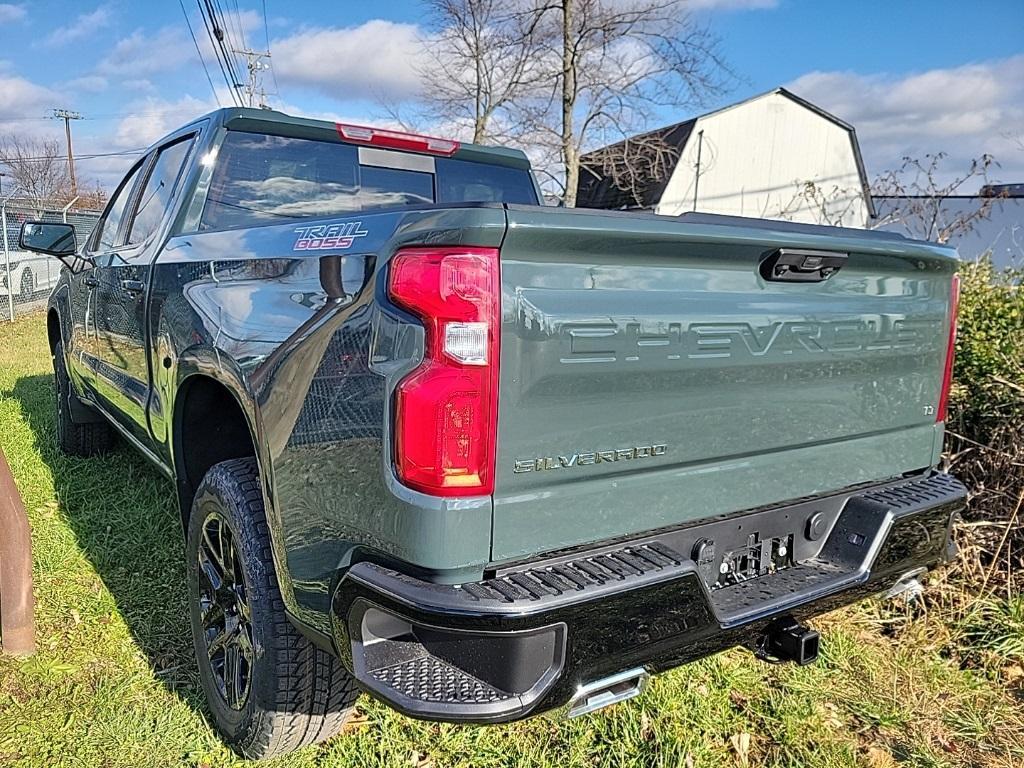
(481, 458)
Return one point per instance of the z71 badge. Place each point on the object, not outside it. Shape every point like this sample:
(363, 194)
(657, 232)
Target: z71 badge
(323, 237)
(589, 457)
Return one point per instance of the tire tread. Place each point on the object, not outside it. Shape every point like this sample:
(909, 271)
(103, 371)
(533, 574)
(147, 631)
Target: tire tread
(313, 694)
(91, 439)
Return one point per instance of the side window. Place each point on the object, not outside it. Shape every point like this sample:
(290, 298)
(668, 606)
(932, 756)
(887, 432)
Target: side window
(106, 237)
(156, 194)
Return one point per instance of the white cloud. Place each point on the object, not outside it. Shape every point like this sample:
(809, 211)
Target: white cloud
(83, 26)
(964, 111)
(22, 98)
(145, 53)
(142, 54)
(377, 59)
(139, 84)
(11, 13)
(89, 83)
(148, 120)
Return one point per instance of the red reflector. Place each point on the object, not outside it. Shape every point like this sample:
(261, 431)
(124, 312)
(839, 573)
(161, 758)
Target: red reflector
(947, 374)
(380, 137)
(446, 410)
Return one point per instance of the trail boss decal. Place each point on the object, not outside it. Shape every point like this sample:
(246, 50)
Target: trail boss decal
(323, 237)
(545, 463)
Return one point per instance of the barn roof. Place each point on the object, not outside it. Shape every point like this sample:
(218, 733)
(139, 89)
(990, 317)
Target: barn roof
(595, 190)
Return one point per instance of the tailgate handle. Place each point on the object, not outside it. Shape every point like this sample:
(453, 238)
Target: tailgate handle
(801, 265)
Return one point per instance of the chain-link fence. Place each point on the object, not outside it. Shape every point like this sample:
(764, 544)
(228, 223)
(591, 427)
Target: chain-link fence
(27, 278)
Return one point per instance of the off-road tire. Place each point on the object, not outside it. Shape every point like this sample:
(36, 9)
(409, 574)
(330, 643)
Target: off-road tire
(298, 694)
(90, 439)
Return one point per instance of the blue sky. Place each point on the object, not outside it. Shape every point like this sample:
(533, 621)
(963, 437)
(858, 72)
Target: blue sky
(912, 77)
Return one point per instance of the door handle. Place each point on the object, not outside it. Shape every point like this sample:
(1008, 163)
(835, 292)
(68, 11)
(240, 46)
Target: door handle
(801, 265)
(133, 286)
(91, 282)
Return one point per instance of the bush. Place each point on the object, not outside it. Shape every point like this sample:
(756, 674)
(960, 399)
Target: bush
(985, 447)
(980, 594)
(989, 370)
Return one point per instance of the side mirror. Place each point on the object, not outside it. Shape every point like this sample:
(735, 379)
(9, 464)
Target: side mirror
(55, 239)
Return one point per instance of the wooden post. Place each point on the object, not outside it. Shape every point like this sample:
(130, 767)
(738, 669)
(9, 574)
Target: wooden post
(17, 632)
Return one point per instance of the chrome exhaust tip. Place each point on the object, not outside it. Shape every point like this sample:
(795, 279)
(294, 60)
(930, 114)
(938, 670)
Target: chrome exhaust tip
(607, 691)
(908, 587)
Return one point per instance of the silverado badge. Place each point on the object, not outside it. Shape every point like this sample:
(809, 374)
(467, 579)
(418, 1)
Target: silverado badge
(544, 463)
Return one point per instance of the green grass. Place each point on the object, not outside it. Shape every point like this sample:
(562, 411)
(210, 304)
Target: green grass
(113, 682)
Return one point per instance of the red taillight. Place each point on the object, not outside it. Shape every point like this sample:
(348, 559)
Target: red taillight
(446, 410)
(380, 137)
(947, 373)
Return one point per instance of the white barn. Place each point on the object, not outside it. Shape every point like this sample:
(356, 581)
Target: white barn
(771, 156)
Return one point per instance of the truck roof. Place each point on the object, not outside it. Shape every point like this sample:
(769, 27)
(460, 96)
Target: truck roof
(272, 121)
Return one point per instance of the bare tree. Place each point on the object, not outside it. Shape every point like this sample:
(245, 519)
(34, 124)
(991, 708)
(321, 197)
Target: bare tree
(918, 198)
(37, 167)
(835, 206)
(480, 56)
(560, 76)
(614, 64)
(92, 198)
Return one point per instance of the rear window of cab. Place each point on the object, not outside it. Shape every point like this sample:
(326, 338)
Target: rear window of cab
(260, 178)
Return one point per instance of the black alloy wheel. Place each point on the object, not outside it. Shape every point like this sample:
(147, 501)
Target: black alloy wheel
(224, 612)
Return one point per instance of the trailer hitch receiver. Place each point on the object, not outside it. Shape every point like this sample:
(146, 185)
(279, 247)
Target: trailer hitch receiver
(788, 640)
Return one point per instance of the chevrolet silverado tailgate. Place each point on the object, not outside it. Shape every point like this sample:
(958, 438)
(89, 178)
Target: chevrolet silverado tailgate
(650, 375)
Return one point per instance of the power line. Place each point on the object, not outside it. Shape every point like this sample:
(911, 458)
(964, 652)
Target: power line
(199, 52)
(219, 34)
(228, 19)
(209, 23)
(107, 115)
(225, 38)
(91, 156)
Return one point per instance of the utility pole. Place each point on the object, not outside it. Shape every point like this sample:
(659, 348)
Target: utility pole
(67, 116)
(256, 66)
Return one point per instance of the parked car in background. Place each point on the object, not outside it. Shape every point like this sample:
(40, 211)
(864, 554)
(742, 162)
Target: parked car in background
(30, 276)
(482, 458)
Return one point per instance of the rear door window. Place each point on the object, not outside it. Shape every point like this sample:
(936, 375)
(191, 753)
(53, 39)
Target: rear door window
(105, 237)
(260, 179)
(160, 185)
